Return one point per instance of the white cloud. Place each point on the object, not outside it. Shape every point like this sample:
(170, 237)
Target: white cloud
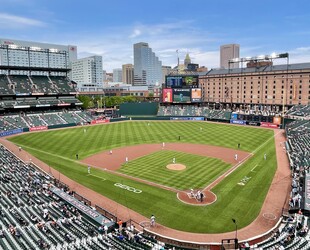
(299, 55)
(13, 21)
(135, 33)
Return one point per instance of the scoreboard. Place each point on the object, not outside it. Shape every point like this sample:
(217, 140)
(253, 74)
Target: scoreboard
(182, 89)
(181, 81)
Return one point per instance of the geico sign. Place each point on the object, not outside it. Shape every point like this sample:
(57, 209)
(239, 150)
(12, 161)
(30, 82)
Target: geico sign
(130, 189)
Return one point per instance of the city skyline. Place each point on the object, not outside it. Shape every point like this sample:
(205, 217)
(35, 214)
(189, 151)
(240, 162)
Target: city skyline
(110, 29)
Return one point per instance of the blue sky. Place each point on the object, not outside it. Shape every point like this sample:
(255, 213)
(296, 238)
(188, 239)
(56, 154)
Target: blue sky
(110, 28)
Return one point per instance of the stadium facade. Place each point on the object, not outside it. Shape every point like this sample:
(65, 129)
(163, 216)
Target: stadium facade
(34, 54)
(277, 86)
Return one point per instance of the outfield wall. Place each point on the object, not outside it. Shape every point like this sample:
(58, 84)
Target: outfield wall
(139, 108)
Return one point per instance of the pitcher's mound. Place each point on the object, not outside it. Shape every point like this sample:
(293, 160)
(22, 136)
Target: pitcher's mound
(176, 166)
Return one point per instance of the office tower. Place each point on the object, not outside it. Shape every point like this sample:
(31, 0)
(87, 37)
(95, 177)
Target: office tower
(128, 73)
(117, 75)
(88, 70)
(147, 67)
(229, 51)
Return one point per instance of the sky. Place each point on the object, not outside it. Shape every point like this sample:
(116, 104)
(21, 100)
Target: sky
(197, 27)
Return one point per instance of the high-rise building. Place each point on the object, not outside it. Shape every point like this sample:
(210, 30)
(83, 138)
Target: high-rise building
(88, 70)
(147, 67)
(228, 52)
(128, 73)
(33, 54)
(117, 75)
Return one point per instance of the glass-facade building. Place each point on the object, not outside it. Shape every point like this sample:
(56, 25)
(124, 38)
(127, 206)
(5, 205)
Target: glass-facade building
(147, 67)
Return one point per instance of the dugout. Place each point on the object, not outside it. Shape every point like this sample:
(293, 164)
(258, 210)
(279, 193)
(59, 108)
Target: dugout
(138, 108)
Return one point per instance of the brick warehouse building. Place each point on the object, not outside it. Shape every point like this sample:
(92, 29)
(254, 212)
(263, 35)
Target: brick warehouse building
(274, 86)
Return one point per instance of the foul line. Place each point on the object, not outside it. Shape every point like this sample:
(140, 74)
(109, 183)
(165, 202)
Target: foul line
(223, 176)
(103, 179)
(252, 170)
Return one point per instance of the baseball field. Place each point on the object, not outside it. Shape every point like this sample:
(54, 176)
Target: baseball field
(154, 187)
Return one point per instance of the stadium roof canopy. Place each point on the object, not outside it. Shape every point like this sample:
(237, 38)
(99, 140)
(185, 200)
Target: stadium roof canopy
(25, 68)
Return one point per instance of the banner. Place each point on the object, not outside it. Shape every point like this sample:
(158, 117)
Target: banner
(38, 128)
(234, 116)
(82, 207)
(240, 122)
(43, 105)
(167, 95)
(187, 118)
(64, 104)
(99, 121)
(277, 120)
(253, 123)
(307, 192)
(196, 95)
(11, 132)
(268, 125)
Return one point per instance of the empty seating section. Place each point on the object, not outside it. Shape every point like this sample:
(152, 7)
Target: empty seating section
(32, 217)
(5, 86)
(62, 84)
(13, 122)
(178, 110)
(70, 117)
(34, 120)
(298, 138)
(52, 119)
(86, 116)
(302, 111)
(22, 84)
(28, 120)
(292, 234)
(43, 85)
(48, 101)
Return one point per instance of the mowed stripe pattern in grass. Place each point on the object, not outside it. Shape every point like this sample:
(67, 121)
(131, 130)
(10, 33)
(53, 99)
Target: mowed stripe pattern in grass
(233, 201)
(199, 172)
(68, 142)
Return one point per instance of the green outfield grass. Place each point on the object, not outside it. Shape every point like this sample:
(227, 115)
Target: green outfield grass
(200, 171)
(242, 202)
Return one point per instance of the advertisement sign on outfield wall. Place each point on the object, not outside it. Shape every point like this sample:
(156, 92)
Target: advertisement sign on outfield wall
(11, 132)
(240, 122)
(268, 125)
(99, 121)
(187, 118)
(253, 123)
(38, 128)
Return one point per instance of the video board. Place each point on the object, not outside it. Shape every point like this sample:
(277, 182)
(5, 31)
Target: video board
(174, 82)
(181, 81)
(167, 95)
(196, 95)
(182, 95)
